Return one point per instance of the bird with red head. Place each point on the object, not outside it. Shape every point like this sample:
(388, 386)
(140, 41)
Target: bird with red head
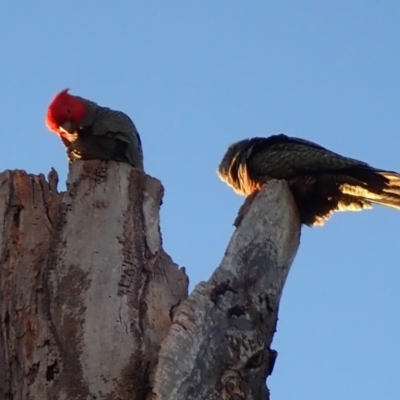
(91, 132)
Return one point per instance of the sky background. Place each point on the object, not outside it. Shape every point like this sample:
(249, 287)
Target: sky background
(196, 76)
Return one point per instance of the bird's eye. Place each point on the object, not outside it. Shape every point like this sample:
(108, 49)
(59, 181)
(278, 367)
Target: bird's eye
(68, 111)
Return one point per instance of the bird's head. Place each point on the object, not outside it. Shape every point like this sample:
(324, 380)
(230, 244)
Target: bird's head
(233, 168)
(228, 159)
(65, 113)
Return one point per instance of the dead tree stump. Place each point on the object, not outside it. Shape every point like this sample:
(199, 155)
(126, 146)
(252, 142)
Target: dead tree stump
(91, 307)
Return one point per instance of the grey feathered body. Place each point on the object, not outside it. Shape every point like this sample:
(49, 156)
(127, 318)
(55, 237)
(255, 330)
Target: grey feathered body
(321, 181)
(105, 134)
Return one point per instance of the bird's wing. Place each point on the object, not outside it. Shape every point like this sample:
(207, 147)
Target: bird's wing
(284, 157)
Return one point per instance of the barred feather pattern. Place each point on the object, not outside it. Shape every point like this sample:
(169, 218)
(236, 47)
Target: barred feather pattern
(321, 181)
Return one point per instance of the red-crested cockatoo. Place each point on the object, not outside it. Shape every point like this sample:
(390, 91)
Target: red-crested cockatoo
(92, 132)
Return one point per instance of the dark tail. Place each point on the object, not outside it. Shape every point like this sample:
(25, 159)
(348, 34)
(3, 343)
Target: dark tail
(376, 186)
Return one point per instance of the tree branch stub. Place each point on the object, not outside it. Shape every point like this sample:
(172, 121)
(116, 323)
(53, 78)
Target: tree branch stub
(218, 346)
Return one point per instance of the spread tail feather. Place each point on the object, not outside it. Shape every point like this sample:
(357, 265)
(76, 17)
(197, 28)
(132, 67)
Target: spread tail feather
(388, 201)
(390, 196)
(387, 194)
(393, 182)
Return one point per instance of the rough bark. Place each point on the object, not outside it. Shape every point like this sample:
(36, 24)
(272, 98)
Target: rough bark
(219, 344)
(91, 307)
(28, 357)
(86, 288)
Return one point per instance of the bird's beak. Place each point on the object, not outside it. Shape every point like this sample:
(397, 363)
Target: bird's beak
(66, 127)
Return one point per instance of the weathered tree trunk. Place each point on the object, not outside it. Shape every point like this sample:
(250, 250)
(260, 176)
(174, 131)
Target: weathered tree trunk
(218, 346)
(86, 288)
(91, 307)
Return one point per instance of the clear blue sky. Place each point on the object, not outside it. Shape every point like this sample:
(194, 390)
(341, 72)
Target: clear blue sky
(198, 75)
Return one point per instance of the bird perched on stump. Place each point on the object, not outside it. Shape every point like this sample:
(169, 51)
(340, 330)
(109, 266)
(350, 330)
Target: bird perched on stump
(92, 132)
(321, 181)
